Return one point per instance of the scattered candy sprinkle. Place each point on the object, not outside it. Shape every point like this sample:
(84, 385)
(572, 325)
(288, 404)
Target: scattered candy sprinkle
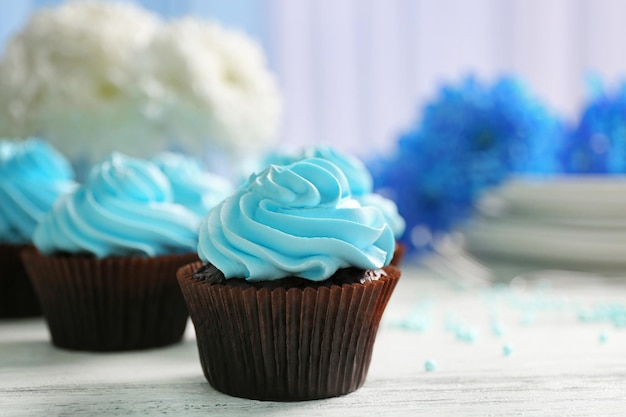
(507, 350)
(461, 330)
(603, 338)
(612, 313)
(419, 319)
(430, 365)
(497, 328)
(530, 303)
(467, 334)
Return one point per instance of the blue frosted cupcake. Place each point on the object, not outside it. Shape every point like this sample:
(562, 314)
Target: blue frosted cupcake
(106, 257)
(32, 176)
(294, 279)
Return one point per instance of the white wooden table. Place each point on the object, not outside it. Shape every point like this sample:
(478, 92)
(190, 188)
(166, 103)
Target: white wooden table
(559, 365)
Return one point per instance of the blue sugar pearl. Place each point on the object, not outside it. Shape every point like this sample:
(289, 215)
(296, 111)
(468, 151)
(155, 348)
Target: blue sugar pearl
(507, 350)
(497, 328)
(467, 334)
(603, 338)
(430, 365)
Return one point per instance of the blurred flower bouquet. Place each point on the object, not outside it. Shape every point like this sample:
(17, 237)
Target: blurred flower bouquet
(470, 138)
(597, 144)
(576, 219)
(525, 190)
(93, 77)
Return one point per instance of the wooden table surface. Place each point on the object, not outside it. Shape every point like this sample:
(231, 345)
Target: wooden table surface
(567, 358)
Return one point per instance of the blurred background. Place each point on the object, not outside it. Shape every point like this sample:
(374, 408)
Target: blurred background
(355, 72)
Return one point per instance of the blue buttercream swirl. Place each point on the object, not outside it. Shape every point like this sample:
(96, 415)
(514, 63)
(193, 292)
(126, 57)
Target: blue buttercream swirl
(193, 187)
(125, 208)
(32, 176)
(359, 178)
(361, 184)
(388, 208)
(295, 220)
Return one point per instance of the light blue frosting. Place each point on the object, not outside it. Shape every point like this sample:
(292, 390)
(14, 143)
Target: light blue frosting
(32, 176)
(297, 220)
(193, 187)
(388, 208)
(125, 208)
(359, 179)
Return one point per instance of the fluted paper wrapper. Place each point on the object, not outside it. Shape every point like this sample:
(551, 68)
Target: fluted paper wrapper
(17, 295)
(110, 304)
(285, 344)
(398, 254)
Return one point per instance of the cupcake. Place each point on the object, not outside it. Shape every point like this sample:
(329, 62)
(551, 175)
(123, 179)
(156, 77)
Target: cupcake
(293, 281)
(106, 256)
(193, 187)
(361, 186)
(32, 176)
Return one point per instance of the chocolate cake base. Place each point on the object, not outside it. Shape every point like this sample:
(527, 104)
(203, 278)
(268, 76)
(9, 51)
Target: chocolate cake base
(288, 341)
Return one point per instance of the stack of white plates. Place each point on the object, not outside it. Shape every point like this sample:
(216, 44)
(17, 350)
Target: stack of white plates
(573, 222)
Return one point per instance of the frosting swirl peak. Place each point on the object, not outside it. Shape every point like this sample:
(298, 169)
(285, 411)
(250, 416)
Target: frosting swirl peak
(124, 209)
(295, 220)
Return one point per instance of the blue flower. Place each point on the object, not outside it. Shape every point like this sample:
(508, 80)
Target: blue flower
(598, 144)
(470, 137)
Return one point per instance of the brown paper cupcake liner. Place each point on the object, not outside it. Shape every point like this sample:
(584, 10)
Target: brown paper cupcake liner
(398, 253)
(17, 295)
(109, 304)
(285, 344)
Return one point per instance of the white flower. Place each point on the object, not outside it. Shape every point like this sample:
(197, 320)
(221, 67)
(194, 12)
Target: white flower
(71, 75)
(210, 83)
(94, 77)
